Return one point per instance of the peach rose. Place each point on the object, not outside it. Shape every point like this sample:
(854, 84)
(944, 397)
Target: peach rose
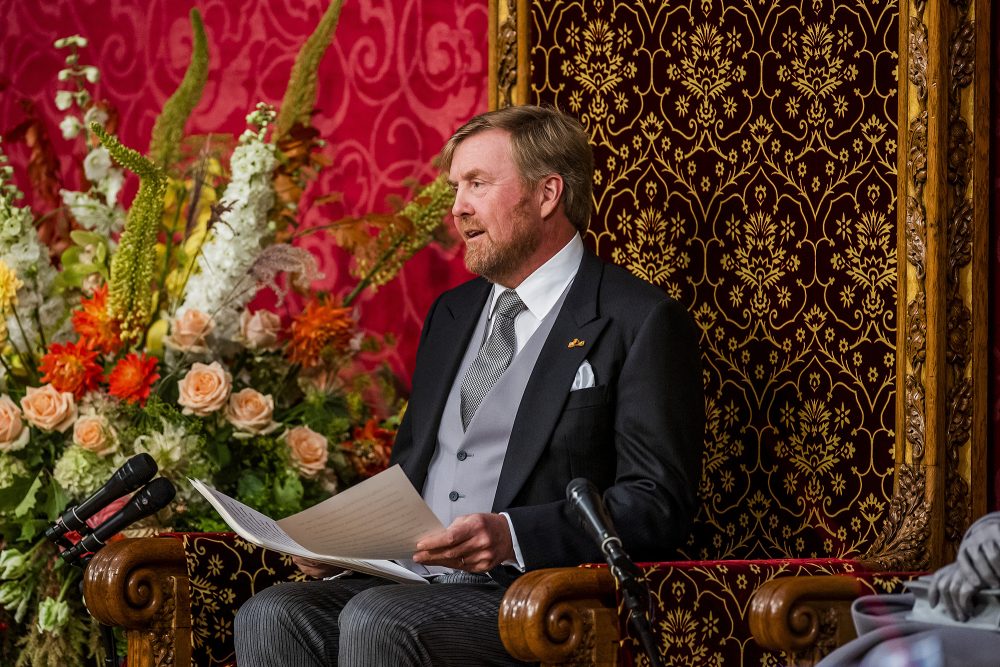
(260, 330)
(251, 411)
(13, 435)
(308, 450)
(204, 389)
(49, 409)
(190, 331)
(93, 433)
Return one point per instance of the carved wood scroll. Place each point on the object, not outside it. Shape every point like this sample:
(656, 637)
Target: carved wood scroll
(142, 586)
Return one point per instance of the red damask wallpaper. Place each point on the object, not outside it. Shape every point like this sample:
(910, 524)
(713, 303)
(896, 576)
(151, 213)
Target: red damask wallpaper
(398, 79)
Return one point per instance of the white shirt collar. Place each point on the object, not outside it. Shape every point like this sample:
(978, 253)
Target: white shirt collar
(543, 287)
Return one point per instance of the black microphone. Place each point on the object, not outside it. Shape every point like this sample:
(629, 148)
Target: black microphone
(133, 474)
(151, 499)
(584, 498)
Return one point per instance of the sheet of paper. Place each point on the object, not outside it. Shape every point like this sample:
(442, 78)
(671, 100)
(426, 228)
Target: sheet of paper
(383, 517)
(264, 531)
(248, 522)
(984, 615)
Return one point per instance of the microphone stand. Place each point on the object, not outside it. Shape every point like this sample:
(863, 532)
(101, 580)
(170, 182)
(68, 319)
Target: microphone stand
(107, 632)
(635, 594)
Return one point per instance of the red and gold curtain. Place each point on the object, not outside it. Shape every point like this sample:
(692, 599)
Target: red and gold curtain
(400, 76)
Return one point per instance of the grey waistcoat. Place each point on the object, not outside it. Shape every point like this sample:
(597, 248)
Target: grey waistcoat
(464, 472)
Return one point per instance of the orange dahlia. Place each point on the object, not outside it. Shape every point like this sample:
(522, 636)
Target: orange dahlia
(319, 332)
(132, 377)
(71, 367)
(97, 329)
(370, 449)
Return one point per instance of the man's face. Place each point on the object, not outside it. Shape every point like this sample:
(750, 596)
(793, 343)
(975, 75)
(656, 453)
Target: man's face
(493, 211)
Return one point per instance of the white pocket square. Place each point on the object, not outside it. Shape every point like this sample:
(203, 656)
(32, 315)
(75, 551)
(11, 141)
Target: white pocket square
(584, 377)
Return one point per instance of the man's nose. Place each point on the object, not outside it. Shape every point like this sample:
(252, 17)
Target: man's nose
(461, 207)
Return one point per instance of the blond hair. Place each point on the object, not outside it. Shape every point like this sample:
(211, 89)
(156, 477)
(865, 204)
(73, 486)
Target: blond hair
(543, 141)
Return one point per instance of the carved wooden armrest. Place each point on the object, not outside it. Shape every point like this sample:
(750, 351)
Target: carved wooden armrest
(807, 617)
(142, 585)
(562, 616)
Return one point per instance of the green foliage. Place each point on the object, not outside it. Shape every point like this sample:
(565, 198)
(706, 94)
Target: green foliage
(88, 255)
(169, 128)
(269, 484)
(300, 95)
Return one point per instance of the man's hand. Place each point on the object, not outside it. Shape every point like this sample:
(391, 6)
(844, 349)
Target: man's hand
(976, 567)
(473, 542)
(316, 568)
(953, 589)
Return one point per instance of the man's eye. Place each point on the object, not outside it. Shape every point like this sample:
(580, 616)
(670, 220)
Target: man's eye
(477, 184)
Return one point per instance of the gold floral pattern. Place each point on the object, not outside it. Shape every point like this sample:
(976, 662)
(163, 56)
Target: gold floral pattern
(700, 611)
(224, 571)
(745, 162)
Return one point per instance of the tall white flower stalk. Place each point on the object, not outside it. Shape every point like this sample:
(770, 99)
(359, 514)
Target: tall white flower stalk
(40, 315)
(97, 208)
(222, 286)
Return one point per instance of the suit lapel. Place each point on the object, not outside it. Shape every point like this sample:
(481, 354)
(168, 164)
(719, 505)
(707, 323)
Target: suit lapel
(446, 345)
(551, 379)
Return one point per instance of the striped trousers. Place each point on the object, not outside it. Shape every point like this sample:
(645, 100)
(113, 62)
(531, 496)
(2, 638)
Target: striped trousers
(363, 621)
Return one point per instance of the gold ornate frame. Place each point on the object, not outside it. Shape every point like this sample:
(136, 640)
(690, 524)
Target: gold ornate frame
(943, 191)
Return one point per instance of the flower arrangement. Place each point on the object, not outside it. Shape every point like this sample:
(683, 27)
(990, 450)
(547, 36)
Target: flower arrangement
(144, 335)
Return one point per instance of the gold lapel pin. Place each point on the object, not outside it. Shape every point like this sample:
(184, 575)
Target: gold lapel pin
(576, 342)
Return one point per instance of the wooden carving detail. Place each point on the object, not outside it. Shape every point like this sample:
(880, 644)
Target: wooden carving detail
(827, 621)
(141, 585)
(163, 639)
(804, 617)
(916, 335)
(902, 543)
(960, 398)
(561, 616)
(916, 164)
(915, 424)
(945, 393)
(916, 234)
(507, 57)
(962, 56)
(960, 241)
(918, 57)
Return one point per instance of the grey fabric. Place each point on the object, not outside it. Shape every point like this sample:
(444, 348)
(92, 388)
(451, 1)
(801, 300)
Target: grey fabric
(976, 567)
(494, 357)
(365, 622)
(468, 462)
(888, 639)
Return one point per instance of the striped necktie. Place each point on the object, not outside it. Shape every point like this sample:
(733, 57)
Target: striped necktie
(494, 357)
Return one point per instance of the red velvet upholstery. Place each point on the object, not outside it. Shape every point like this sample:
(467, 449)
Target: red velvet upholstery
(745, 157)
(224, 571)
(701, 608)
(745, 160)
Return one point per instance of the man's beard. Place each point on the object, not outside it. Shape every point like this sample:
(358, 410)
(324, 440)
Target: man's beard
(497, 262)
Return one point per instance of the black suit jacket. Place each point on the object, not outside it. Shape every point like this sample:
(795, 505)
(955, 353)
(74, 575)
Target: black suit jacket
(637, 434)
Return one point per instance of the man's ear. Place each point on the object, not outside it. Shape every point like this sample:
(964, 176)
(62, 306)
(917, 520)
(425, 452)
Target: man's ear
(550, 191)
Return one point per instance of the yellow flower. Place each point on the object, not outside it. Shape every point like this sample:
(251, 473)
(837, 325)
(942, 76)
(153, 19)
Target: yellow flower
(9, 284)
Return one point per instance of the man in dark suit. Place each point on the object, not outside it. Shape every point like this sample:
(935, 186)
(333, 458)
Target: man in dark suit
(550, 366)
